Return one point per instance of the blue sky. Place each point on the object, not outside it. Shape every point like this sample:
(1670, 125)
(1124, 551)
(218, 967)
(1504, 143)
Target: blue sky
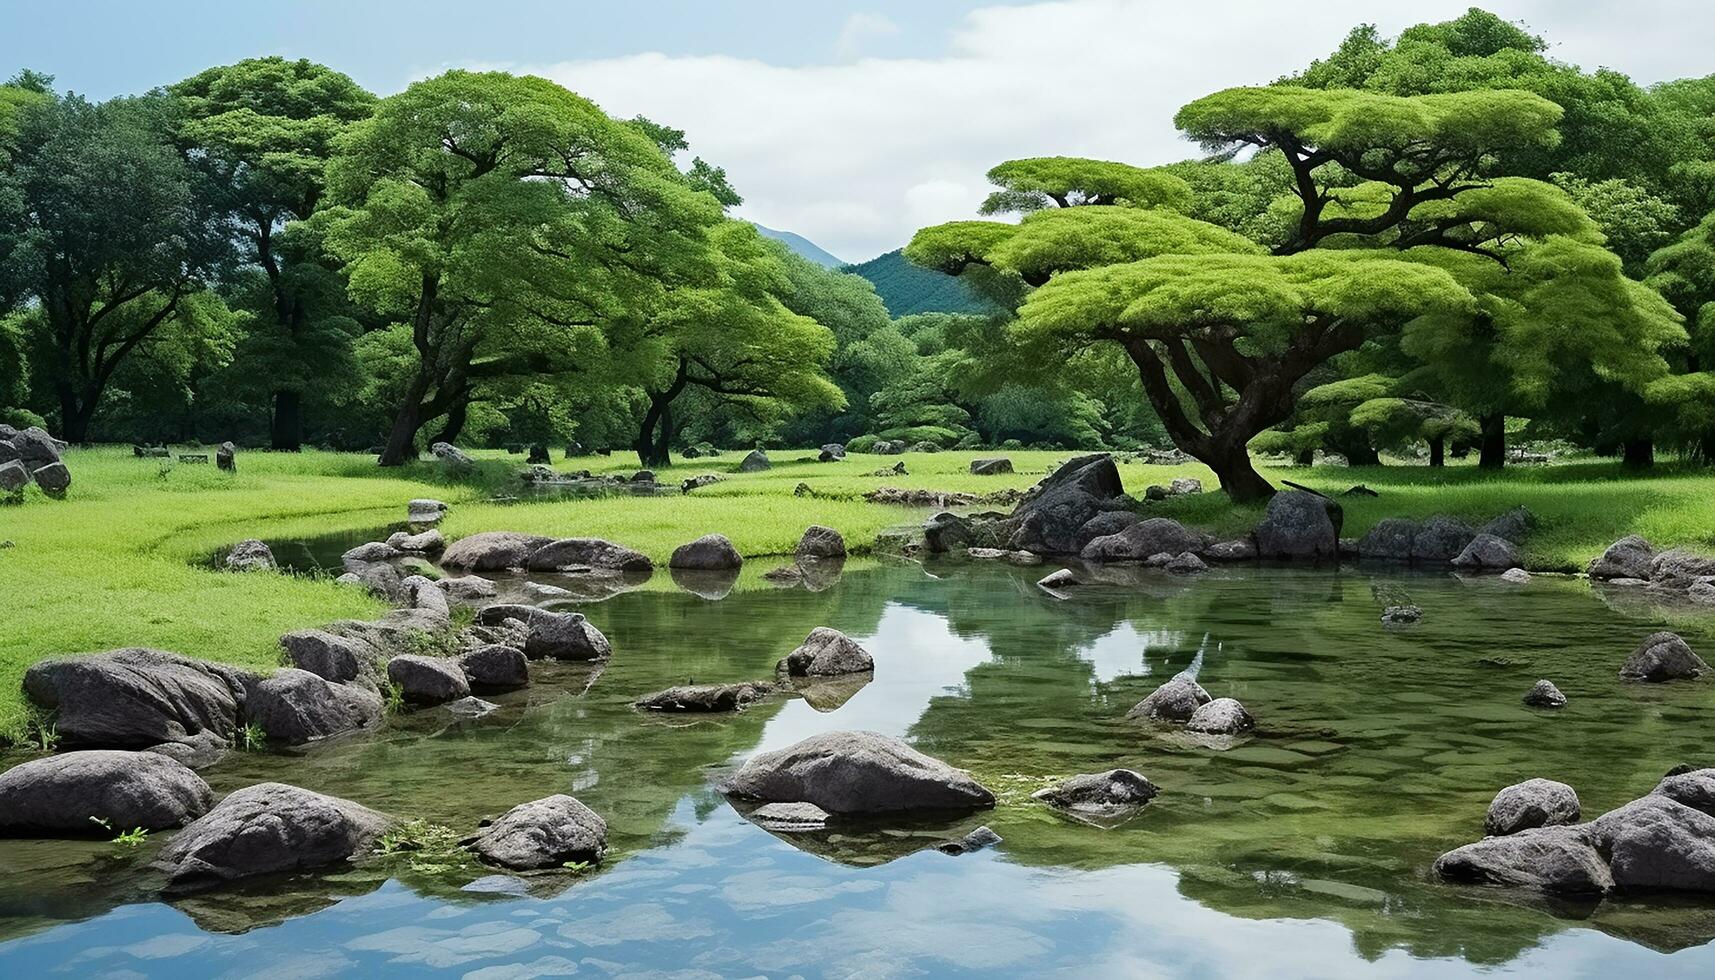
(852, 124)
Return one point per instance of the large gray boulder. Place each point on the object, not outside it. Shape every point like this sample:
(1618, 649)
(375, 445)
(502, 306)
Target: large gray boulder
(547, 833)
(576, 553)
(250, 556)
(1530, 804)
(1145, 539)
(452, 456)
(821, 542)
(295, 706)
(1175, 701)
(1553, 859)
(470, 590)
(1657, 843)
(1694, 788)
(13, 476)
(1300, 525)
(552, 635)
(827, 653)
(1678, 569)
(711, 552)
(705, 697)
(340, 659)
(1222, 716)
(1389, 540)
(54, 479)
(1488, 553)
(122, 790)
(134, 698)
(36, 448)
(428, 542)
(754, 462)
(1661, 657)
(1049, 519)
(1629, 557)
(1107, 522)
(857, 772)
(492, 551)
(427, 680)
(1440, 539)
(494, 668)
(267, 829)
(1101, 794)
(991, 466)
(197, 751)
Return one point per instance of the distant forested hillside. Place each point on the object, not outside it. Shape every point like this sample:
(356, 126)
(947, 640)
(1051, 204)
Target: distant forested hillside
(907, 289)
(803, 247)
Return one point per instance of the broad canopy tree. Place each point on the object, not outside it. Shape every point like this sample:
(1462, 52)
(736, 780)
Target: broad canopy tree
(1397, 221)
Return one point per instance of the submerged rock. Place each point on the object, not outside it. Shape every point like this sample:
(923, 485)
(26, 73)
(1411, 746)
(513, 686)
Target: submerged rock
(1058, 579)
(706, 697)
(101, 791)
(1401, 615)
(1517, 576)
(1185, 563)
(1222, 716)
(264, 829)
(827, 652)
(976, 840)
(1532, 803)
(1545, 695)
(1102, 794)
(857, 772)
(789, 817)
(1175, 701)
(548, 833)
(711, 552)
(1300, 525)
(551, 635)
(1553, 859)
(1661, 657)
(136, 697)
(1241, 549)
(491, 551)
(250, 556)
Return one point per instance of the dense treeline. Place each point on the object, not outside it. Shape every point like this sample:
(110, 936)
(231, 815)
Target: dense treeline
(1436, 243)
(1429, 241)
(266, 252)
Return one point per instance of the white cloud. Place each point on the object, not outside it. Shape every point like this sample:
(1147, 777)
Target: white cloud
(860, 32)
(858, 155)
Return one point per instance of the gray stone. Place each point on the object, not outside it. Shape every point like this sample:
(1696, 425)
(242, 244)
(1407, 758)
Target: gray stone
(468, 589)
(857, 772)
(1511, 526)
(706, 697)
(1389, 540)
(1401, 615)
(250, 555)
(552, 635)
(428, 542)
(421, 595)
(1678, 569)
(135, 697)
(755, 462)
(427, 680)
(472, 707)
(13, 476)
(1695, 789)
(578, 553)
(1222, 716)
(1440, 539)
(492, 551)
(1488, 553)
(452, 456)
(1657, 843)
(1662, 656)
(832, 452)
(295, 706)
(1175, 701)
(821, 542)
(991, 466)
(547, 833)
(789, 817)
(1552, 859)
(1186, 564)
(340, 659)
(1049, 519)
(711, 552)
(1242, 549)
(1532, 803)
(373, 551)
(1143, 539)
(197, 751)
(1058, 579)
(425, 512)
(266, 829)
(976, 840)
(1299, 525)
(826, 653)
(1184, 485)
(1545, 695)
(1110, 793)
(495, 668)
(226, 457)
(1107, 522)
(1629, 557)
(36, 448)
(379, 578)
(1516, 576)
(71, 792)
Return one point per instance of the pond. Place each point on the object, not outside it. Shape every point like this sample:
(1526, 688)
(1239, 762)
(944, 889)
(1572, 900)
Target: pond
(1302, 851)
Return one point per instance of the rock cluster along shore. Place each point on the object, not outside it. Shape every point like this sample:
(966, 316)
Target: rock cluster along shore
(31, 456)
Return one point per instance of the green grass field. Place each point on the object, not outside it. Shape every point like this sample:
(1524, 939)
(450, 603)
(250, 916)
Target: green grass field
(122, 561)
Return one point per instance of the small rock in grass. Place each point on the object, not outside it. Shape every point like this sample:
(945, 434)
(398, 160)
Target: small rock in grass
(821, 542)
(711, 552)
(1545, 695)
(250, 556)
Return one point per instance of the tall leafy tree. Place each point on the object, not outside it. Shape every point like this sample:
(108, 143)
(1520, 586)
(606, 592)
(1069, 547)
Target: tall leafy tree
(261, 130)
(1398, 221)
(104, 225)
(498, 218)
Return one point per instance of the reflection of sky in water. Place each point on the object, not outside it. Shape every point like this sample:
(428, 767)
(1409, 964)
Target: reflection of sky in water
(1125, 651)
(730, 900)
(917, 657)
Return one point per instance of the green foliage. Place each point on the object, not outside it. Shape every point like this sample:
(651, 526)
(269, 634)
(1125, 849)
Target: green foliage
(426, 848)
(251, 738)
(1042, 182)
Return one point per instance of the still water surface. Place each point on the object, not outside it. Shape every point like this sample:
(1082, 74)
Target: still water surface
(1302, 851)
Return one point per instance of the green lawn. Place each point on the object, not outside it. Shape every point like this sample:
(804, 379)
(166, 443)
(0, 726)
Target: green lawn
(120, 561)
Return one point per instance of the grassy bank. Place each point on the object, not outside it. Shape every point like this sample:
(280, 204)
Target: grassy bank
(121, 561)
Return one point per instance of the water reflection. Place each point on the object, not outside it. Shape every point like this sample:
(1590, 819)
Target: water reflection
(1310, 840)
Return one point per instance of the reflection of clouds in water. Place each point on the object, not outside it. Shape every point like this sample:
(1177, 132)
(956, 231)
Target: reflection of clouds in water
(917, 658)
(1124, 651)
(444, 948)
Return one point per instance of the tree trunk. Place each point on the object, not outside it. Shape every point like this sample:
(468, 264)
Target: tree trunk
(288, 429)
(651, 449)
(401, 445)
(1305, 457)
(1438, 451)
(454, 426)
(1494, 442)
(1363, 456)
(74, 415)
(1639, 454)
(1238, 477)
